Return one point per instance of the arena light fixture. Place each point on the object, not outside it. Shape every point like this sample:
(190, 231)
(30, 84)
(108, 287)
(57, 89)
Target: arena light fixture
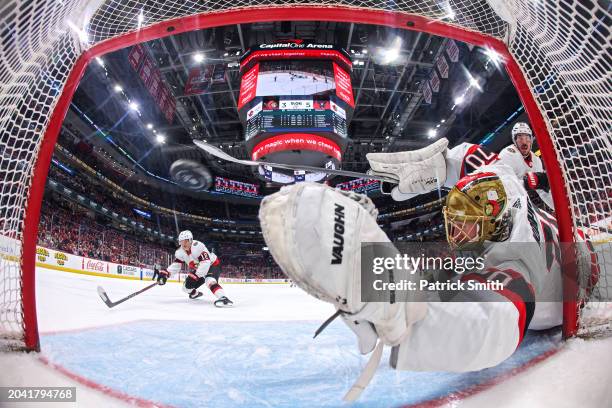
(432, 133)
(474, 82)
(83, 37)
(450, 14)
(459, 100)
(198, 57)
(161, 139)
(133, 106)
(393, 52)
(493, 56)
(140, 18)
(118, 88)
(149, 126)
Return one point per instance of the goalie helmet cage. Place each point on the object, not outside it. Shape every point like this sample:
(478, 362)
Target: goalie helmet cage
(556, 54)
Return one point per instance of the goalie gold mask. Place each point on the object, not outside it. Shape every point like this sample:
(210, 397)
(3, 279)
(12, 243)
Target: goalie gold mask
(475, 211)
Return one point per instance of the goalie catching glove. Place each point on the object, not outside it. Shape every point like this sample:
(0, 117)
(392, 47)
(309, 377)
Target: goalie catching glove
(418, 171)
(314, 233)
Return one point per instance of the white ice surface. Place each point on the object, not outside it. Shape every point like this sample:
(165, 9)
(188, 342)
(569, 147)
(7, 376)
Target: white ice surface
(302, 84)
(578, 375)
(67, 301)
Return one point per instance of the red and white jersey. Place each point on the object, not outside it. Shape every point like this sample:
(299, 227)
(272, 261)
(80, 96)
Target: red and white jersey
(464, 159)
(487, 327)
(199, 258)
(512, 157)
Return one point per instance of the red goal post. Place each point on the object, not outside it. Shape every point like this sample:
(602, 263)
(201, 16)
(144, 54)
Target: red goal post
(555, 54)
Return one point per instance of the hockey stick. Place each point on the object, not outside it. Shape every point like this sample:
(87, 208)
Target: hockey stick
(222, 155)
(109, 303)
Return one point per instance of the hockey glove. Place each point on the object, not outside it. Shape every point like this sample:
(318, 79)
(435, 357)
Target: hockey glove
(536, 181)
(163, 277)
(418, 171)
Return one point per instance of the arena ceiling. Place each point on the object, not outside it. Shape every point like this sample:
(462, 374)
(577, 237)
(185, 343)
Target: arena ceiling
(391, 113)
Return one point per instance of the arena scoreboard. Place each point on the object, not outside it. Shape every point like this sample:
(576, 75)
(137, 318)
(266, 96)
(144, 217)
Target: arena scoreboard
(295, 103)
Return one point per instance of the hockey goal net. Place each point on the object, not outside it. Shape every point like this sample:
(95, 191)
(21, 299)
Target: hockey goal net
(556, 53)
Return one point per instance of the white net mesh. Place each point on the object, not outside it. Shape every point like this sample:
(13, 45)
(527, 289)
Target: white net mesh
(564, 52)
(562, 47)
(36, 56)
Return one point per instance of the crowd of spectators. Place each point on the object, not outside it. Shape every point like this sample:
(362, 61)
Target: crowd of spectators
(67, 226)
(421, 229)
(107, 198)
(247, 261)
(213, 209)
(594, 194)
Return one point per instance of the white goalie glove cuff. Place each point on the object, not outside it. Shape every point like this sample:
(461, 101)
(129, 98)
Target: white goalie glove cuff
(418, 171)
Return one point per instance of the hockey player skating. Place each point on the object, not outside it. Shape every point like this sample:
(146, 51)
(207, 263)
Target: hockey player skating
(204, 268)
(315, 233)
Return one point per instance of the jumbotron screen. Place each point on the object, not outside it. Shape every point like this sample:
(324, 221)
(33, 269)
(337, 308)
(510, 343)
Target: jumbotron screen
(275, 69)
(296, 78)
(225, 185)
(296, 100)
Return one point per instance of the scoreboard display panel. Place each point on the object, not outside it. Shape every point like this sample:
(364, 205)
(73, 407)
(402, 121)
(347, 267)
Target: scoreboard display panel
(229, 186)
(303, 120)
(360, 185)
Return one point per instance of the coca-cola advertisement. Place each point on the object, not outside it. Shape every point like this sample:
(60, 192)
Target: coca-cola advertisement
(94, 265)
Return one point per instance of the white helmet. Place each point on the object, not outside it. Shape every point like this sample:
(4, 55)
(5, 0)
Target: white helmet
(521, 128)
(185, 235)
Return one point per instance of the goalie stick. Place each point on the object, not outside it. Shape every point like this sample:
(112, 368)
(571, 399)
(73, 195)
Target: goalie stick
(222, 155)
(110, 303)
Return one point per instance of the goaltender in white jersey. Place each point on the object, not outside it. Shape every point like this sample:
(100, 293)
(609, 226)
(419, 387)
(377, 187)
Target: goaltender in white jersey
(315, 233)
(204, 267)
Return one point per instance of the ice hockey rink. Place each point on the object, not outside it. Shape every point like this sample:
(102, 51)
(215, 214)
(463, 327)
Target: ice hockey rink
(298, 83)
(162, 349)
